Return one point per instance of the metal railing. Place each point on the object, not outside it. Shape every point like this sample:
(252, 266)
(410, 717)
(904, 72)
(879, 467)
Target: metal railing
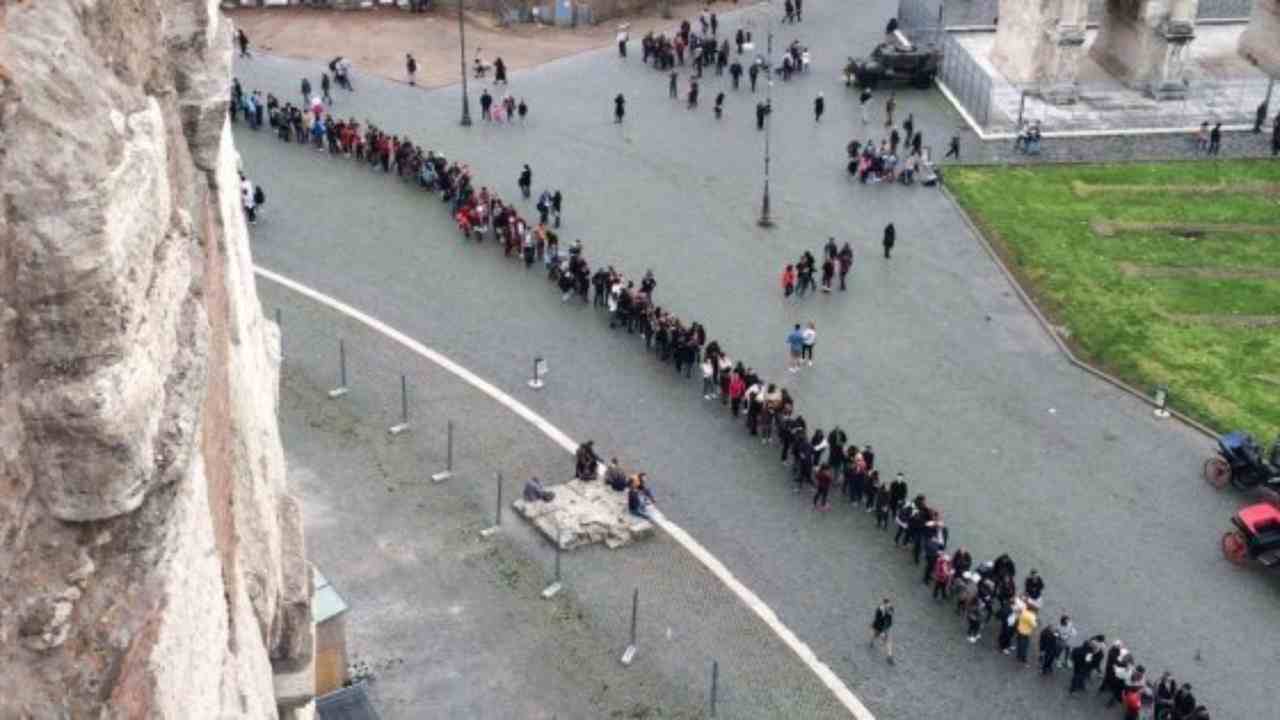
(913, 14)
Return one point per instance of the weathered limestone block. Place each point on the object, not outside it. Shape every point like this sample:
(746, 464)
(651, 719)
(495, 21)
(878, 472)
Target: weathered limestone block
(1144, 43)
(1039, 44)
(1260, 42)
(584, 513)
(153, 560)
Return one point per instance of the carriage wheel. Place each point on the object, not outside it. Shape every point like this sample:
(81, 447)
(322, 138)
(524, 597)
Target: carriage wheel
(1234, 548)
(1217, 472)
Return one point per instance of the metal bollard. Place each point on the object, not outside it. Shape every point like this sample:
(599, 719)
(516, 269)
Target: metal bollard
(550, 591)
(280, 328)
(448, 466)
(342, 372)
(403, 425)
(629, 654)
(498, 524)
(715, 684)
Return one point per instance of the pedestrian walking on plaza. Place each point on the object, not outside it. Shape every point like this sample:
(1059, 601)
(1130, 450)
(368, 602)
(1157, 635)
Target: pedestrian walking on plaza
(845, 258)
(411, 68)
(789, 12)
(693, 94)
(863, 98)
(557, 202)
(526, 181)
(243, 41)
(908, 127)
(522, 109)
(1048, 649)
(719, 105)
(788, 281)
(1063, 633)
(499, 72)
(889, 106)
(1166, 688)
(324, 89)
(881, 628)
(306, 93)
(622, 44)
(715, 24)
(753, 73)
(828, 273)
(819, 105)
(739, 39)
(761, 111)
(795, 348)
(810, 338)
(672, 85)
(486, 102)
(883, 500)
(1215, 139)
(799, 9)
(953, 150)
(246, 200)
(619, 108)
(890, 237)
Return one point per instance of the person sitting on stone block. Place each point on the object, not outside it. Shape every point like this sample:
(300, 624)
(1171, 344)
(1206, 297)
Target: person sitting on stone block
(639, 498)
(534, 492)
(615, 476)
(585, 461)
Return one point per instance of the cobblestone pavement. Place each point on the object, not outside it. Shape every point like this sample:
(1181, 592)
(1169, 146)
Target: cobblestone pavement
(930, 357)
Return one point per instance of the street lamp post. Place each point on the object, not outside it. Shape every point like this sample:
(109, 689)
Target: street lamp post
(766, 220)
(462, 61)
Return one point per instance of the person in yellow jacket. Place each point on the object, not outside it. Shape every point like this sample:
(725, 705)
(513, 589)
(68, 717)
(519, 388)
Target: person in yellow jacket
(1026, 625)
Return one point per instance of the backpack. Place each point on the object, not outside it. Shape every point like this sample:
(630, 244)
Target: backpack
(259, 197)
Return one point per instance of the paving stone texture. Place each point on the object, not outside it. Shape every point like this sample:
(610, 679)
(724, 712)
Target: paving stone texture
(929, 356)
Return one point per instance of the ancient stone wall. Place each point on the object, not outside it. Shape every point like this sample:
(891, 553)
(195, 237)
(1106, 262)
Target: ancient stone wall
(1261, 40)
(153, 560)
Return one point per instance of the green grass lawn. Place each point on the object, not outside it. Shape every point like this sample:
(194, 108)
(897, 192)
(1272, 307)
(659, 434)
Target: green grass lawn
(1200, 313)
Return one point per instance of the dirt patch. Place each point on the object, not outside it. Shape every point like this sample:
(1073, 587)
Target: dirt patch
(1229, 321)
(1083, 189)
(376, 40)
(1109, 228)
(1158, 272)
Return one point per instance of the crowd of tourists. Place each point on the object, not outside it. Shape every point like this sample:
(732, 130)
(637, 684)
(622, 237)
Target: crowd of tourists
(986, 596)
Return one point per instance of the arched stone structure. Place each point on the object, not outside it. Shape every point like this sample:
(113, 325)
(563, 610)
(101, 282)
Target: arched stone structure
(1039, 42)
(1143, 43)
(1260, 43)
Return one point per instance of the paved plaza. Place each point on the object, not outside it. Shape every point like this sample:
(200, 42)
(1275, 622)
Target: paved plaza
(930, 357)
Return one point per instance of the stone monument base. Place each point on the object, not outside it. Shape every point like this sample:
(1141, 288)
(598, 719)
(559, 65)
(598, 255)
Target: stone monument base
(584, 513)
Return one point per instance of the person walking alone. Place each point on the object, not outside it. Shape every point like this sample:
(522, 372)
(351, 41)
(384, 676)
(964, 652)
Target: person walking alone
(306, 93)
(622, 44)
(863, 98)
(889, 106)
(619, 108)
(243, 41)
(672, 85)
(1215, 139)
(890, 237)
(809, 336)
(795, 349)
(525, 182)
(324, 89)
(411, 68)
(881, 628)
(819, 106)
(953, 150)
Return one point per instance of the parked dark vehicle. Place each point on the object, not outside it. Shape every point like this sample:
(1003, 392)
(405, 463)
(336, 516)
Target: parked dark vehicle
(1240, 461)
(894, 62)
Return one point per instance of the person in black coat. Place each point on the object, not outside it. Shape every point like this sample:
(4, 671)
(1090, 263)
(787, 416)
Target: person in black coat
(890, 237)
(619, 108)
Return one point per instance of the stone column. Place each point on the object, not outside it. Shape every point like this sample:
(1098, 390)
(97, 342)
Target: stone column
(1144, 43)
(1039, 43)
(1260, 43)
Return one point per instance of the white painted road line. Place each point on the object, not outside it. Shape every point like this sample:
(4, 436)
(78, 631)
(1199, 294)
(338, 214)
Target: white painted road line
(824, 672)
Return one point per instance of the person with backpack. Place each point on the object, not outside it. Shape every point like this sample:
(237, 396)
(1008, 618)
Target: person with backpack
(881, 626)
(246, 199)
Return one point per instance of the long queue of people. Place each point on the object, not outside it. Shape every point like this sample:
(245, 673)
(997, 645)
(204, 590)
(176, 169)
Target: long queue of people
(986, 594)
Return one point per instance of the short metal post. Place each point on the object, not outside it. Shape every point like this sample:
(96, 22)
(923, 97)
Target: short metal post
(536, 381)
(404, 408)
(342, 372)
(280, 329)
(630, 653)
(448, 462)
(551, 590)
(1022, 106)
(715, 683)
